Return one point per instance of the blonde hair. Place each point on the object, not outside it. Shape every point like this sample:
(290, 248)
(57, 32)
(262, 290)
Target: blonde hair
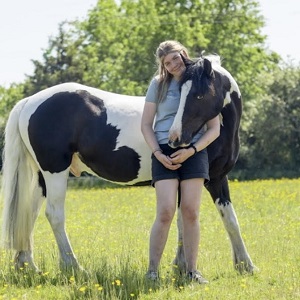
(164, 77)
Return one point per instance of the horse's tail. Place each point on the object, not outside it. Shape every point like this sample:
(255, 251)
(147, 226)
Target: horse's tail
(18, 183)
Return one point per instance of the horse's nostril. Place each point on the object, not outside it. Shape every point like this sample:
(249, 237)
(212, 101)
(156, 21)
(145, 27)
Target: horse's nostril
(174, 144)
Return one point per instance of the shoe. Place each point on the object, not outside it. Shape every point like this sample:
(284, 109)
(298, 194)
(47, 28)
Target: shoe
(197, 277)
(152, 275)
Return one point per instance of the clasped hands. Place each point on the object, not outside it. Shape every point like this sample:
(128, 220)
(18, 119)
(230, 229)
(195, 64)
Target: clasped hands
(174, 161)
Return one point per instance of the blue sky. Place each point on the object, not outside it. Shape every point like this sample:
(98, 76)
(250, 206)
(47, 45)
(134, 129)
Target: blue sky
(25, 27)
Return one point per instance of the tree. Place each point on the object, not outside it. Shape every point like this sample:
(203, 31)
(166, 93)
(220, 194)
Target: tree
(275, 135)
(113, 49)
(8, 97)
(61, 60)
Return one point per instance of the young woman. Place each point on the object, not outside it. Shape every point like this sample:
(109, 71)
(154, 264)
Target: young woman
(171, 168)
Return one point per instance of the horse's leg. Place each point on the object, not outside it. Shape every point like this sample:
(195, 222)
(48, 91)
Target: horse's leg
(219, 191)
(179, 261)
(24, 259)
(56, 185)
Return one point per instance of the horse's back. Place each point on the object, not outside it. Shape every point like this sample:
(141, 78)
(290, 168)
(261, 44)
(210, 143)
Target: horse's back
(103, 128)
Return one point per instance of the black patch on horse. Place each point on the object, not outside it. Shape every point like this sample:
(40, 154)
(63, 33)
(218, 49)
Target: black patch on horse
(70, 122)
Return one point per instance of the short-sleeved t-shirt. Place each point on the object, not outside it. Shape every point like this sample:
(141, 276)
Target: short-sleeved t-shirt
(166, 110)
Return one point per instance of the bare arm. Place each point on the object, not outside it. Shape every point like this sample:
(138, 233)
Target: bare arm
(212, 132)
(147, 125)
(150, 138)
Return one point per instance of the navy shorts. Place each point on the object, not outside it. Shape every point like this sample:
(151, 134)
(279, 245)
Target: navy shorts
(196, 166)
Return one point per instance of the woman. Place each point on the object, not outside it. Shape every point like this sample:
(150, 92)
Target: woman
(171, 168)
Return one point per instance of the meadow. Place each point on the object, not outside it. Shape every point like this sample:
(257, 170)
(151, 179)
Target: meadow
(109, 231)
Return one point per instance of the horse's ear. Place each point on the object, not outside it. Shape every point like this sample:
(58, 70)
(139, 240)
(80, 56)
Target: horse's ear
(208, 70)
(186, 60)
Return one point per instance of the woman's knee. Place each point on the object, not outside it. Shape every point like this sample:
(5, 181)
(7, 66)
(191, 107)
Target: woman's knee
(189, 213)
(165, 216)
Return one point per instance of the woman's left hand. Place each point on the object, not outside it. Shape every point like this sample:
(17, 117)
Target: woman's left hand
(181, 155)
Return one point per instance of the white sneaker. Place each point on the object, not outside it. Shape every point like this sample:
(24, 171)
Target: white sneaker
(197, 276)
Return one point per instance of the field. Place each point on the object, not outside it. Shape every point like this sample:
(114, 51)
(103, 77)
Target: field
(109, 230)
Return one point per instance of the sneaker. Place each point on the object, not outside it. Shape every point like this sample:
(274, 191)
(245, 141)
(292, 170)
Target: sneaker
(197, 277)
(152, 275)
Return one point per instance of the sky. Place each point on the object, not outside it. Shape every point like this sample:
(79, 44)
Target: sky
(25, 28)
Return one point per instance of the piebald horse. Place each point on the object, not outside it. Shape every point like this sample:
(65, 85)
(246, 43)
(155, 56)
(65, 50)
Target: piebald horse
(74, 128)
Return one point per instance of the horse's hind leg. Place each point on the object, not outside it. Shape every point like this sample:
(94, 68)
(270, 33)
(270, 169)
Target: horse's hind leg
(219, 191)
(24, 258)
(179, 261)
(56, 185)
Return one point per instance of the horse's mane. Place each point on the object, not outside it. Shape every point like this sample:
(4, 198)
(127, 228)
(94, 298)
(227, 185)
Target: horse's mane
(197, 71)
(214, 59)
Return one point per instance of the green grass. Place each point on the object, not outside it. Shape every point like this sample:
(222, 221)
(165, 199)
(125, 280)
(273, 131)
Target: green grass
(109, 231)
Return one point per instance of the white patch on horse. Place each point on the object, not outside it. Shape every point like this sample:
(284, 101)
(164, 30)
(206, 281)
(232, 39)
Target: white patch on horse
(176, 128)
(241, 257)
(129, 136)
(216, 64)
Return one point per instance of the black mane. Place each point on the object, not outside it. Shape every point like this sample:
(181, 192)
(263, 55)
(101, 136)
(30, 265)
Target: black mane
(201, 74)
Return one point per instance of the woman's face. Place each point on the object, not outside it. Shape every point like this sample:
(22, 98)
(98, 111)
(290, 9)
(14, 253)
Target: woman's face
(174, 64)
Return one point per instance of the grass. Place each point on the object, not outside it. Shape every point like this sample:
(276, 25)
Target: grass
(109, 231)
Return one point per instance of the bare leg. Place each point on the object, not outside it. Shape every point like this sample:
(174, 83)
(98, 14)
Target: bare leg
(166, 192)
(190, 204)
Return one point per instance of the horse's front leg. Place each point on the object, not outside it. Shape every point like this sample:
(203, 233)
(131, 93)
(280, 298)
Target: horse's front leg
(55, 212)
(220, 194)
(241, 258)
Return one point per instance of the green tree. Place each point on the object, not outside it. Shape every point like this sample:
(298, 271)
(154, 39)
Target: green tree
(8, 97)
(274, 145)
(113, 49)
(61, 60)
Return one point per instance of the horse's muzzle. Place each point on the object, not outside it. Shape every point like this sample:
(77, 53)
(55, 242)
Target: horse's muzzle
(177, 143)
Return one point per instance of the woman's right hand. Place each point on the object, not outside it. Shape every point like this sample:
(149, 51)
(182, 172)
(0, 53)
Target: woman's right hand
(166, 161)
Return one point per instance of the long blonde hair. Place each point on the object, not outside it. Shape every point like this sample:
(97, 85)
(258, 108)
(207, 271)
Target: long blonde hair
(164, 77)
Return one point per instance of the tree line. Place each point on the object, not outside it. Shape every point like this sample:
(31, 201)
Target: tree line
(113, 49)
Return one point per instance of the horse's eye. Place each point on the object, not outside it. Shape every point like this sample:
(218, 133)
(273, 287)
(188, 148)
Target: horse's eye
(199, 97)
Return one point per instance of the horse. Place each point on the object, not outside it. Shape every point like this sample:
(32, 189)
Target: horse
(73, 128)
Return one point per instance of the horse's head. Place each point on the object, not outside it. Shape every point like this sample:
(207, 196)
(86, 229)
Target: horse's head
(201, 100)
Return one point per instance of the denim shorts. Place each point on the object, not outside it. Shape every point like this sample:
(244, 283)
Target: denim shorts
(196, 166)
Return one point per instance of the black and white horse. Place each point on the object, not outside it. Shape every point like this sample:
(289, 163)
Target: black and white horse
(75, 128)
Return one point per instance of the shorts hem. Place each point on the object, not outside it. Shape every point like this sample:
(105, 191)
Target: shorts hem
(195, 175)
(186, 177)
(163, 177)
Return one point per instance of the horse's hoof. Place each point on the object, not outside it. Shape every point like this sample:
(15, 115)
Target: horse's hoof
(179, 266)
(243, 268)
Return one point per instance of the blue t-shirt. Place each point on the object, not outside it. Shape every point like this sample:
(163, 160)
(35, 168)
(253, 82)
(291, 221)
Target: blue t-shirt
(165, 110)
